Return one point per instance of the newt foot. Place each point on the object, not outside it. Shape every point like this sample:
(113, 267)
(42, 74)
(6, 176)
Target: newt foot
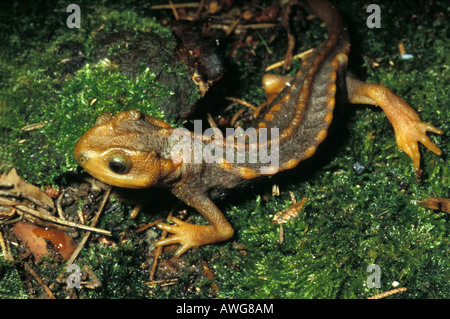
(409, 128)
(183, 235)
(410, 133)
(189, 235)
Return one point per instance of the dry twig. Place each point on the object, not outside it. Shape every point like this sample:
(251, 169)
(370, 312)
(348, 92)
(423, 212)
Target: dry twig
(57, 220)
(236, 116)
(253, 26)
(145, 227)
(39, 280)
(174, 10)
(88, 233)
(388, 293)
(6, 249)
(58, 205)
(291, 39)
(158, 250)
(281, 63)
(211, 121)
(239, 101)
(166, 282)
(35, 126)
(174, 5)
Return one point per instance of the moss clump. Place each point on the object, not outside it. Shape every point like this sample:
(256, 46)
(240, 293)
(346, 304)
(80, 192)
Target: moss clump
(11, 285)
(43, 154)
(62, 84)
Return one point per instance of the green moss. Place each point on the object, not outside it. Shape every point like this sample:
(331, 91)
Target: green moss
(118, 269)
(11, 286)
(38, 87)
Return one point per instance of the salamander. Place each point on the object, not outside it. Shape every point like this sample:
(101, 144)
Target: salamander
(134, 150)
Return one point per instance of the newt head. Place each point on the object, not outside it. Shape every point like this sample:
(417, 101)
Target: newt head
(125, 149)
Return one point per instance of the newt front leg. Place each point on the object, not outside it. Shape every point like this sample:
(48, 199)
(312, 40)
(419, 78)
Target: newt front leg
(409, 128)
(189, 235)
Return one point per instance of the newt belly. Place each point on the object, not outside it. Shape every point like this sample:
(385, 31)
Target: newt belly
(134, 150)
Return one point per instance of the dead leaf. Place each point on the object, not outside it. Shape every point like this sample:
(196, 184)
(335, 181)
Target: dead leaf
(19, 188)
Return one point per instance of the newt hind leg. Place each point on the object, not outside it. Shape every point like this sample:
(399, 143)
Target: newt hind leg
(409, 128)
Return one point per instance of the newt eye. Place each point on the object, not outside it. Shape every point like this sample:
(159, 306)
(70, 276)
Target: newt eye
(119, 163)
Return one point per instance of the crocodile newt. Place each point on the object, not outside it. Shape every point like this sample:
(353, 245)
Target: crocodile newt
(134, 150)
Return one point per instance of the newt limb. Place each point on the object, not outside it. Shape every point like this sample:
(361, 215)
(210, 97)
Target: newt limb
(189, 235)
(409, 128)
